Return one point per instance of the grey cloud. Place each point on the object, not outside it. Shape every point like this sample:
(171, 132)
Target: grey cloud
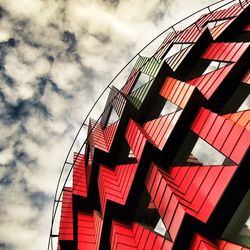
(6, 78)
(70, 39)
(39, 199)
(6, 180)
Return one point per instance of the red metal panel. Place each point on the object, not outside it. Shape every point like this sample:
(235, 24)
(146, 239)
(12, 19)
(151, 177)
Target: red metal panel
(135, 237)
(241, 147)
(176, 91)
(209, 123)
(212, 134)
(216, 78)
(217, 190)
(199, 192)
(159, 242)
(217, 31)
(229, 139)
(66, 222)
(205, 188)
(114, 185)
(222, 135)
(150, 242)
(164, 202)
(79, 176)
(109, 133)
(159, 194)
(96, 136)
(200, 120)
(208, 83)
(241, 118)
(176, 221)
(232, 139)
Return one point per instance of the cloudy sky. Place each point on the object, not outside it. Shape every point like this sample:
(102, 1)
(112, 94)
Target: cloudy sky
(56, 56)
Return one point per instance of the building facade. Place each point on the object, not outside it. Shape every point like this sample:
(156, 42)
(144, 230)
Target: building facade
(167, 165)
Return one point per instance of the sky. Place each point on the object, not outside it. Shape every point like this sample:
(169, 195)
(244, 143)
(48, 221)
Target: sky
(55, 59)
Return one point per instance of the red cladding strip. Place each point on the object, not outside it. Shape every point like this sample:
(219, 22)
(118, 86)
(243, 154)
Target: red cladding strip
(176, 91)
(89, 230)
(136, 138)
(102, 139)
(97, 137)
(109, 133)
(216, 31)
(66, 222)
(233, 11)
(230, 52)
(79, 176)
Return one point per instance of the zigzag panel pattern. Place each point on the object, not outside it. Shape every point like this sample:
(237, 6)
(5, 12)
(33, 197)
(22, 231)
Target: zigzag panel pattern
(137, 138)
(151, 185)
(208, 83)
(99, 138)
(231, 12)
(223, 134)
(160, 129)
(136, 237)
(115, 185)
(165, 44)
(194, 190)
(190, 35)
(175, 60)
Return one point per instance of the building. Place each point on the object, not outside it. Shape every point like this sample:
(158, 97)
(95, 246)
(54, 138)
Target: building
(167, 165)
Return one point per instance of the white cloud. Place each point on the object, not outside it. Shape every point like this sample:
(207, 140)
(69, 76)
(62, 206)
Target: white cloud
(67, 75)
(25, 74)
(6, 156)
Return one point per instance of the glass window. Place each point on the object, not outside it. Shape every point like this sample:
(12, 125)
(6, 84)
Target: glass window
(215, 23)
(175, 48)
(214, 65)
(168, 108)
(142, 79)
